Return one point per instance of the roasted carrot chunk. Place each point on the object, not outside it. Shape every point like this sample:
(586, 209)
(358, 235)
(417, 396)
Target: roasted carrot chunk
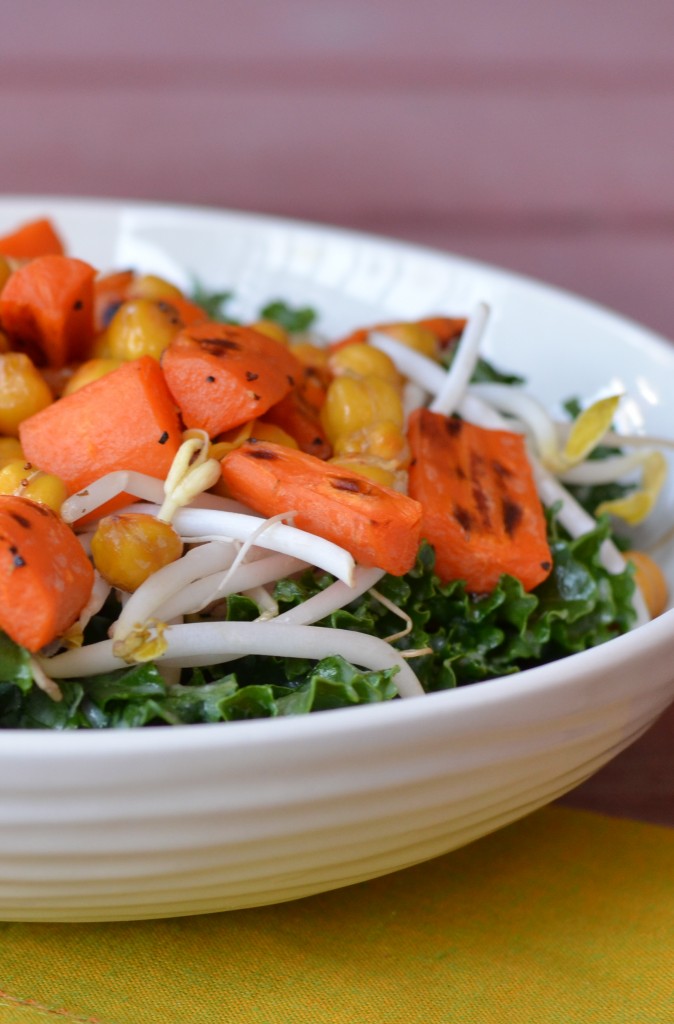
(37, 238)
(299, 414)
(47, 308)
(222, 375)
(124, 420)
(110, 291)
(446, 328)
(45, 576)
(188, 313)
(481, 510)
(380, 527)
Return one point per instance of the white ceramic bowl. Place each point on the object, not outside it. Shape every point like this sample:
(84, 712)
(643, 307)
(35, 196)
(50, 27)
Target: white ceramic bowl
(159, 822)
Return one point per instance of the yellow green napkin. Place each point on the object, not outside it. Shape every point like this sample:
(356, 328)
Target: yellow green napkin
(561, 918)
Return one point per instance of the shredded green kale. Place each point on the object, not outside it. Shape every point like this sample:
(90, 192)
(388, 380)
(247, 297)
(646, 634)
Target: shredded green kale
(466, 638)
(214, 304)
(295, 320)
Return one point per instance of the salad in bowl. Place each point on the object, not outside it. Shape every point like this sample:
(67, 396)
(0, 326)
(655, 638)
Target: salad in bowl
(209, 517)
(443, 497)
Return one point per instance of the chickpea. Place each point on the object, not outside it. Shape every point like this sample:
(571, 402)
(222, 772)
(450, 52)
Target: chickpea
(10, 450)
(23, 391)
(262, 431)
(149, 286)
(415, 336)
(141, 327)
(354, 403)
(92, 369)
(21, 478)
(383, 440)
(361, 360)
(310, 355)
(272, 330)
(130, 547)
(370, 468)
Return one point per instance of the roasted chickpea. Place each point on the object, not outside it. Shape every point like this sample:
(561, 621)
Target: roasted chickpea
(149, 286)
(361, 360)
(272, 330)
(141, 327)
(87, 372)
(354, 403)
(415, 336)
(21, 478)
(383, 440)
(10, 450)
(130, 547)
(23, 391)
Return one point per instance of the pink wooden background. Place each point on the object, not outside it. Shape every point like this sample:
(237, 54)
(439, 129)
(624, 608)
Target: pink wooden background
(535, 135)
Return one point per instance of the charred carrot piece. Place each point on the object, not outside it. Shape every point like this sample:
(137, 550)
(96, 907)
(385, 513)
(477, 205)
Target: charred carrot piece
(188, 313)
(357, 337)
(380, 527)
(110, 291)
(113, 290)
(222, 375)
(45, 576)
(37, 238)
(47, 307)
(124, 420)
(299, 414)
(481, 510)
(446, 328)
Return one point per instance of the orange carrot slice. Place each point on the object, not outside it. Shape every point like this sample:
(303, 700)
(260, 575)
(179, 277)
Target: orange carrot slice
(187, 312)
(299, 414)
(37, 238)
(446, 329)
(380, 527)
(45, 576)
(222, 375)
(124, 420)
(47, 307)
(110, 291)
(481, 510)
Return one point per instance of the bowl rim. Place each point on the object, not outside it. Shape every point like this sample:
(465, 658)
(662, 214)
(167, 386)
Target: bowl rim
(541, 681)
(493, 692)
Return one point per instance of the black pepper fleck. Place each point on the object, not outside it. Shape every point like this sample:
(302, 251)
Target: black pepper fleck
(164, 437)
(453, 426)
